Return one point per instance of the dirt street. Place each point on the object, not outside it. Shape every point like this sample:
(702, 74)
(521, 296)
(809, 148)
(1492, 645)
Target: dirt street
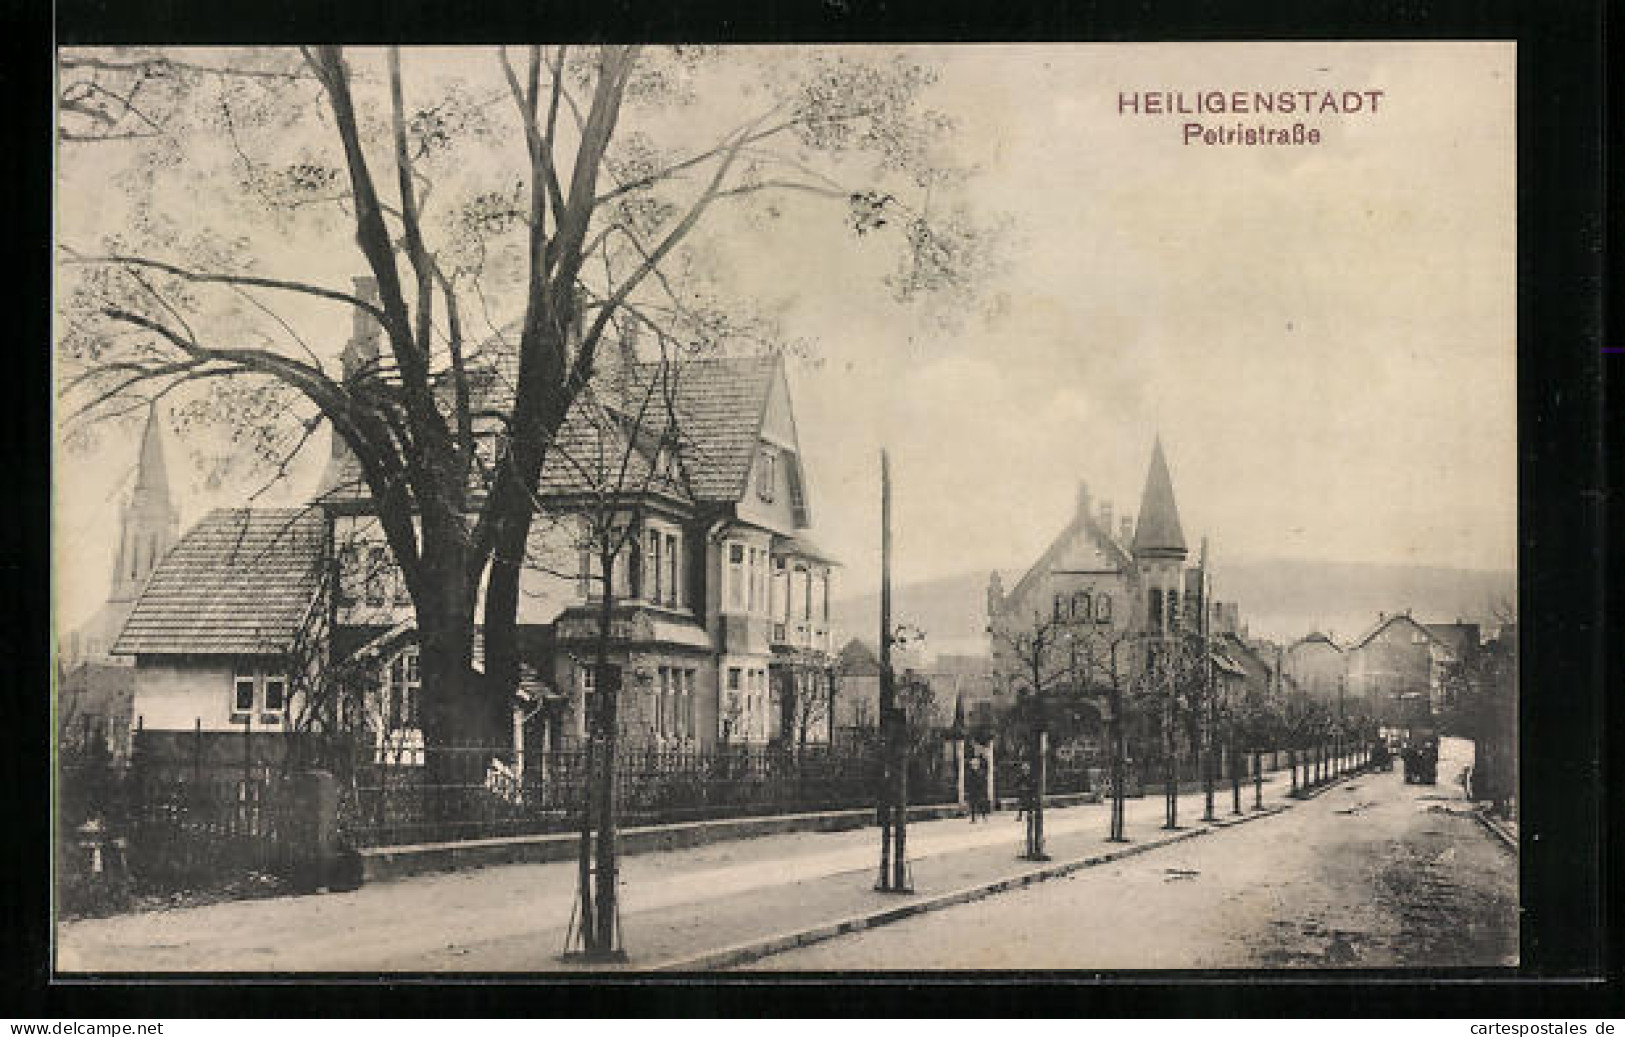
(1374, 873)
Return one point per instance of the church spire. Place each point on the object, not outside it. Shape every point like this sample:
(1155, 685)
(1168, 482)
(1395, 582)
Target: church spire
(1158, 532)
(151, 474)
(150, 523)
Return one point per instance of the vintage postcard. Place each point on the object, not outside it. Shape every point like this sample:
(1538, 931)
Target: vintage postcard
(550, 508)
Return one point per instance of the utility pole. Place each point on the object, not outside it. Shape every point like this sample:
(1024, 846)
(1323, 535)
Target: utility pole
(894, 782)
(1115, 732)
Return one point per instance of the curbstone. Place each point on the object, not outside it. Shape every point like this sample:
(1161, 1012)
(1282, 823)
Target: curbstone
(1495, 828)
(382, 863)
(764, 947)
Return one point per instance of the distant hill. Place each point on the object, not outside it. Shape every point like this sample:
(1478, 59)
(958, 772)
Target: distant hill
(1279, 598)
(952, 610)
(1286, 599)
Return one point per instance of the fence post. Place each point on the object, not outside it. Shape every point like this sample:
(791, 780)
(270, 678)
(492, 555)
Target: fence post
(313, 841)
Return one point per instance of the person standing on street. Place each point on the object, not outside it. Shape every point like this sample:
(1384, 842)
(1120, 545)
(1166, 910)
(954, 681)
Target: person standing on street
(976, 787)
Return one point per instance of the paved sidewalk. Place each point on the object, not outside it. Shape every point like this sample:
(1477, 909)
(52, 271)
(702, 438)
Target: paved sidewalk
(676, 906)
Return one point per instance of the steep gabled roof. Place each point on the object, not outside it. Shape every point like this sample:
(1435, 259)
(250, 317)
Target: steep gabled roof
(716, 404)
(1316, 638)
(1082, 522)
(719, 404)
(1384, 622)
(857, 657)
(1157, 530)
(241, 581)
(600, 450)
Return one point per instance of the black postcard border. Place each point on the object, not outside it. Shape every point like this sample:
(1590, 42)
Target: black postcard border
(1568, 947)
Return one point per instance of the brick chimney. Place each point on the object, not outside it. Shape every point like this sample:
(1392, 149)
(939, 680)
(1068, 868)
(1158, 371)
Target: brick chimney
(1127, 529)
(361, 351)
(625, 363)
(1106, 515)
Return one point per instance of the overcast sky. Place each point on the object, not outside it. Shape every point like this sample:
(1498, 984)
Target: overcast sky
(1322, 335)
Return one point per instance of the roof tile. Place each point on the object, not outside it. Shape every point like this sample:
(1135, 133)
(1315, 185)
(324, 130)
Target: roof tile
(240, 582)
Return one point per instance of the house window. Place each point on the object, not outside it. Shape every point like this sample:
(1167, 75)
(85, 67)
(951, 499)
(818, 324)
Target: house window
(374, 574)
(1154, 611)
(401, 691)
(254, 690)
(800, 594)
(672, 569)
(823, 597)
(655, 581)
(584, 569)
(781, 592)
(689, 726)
(629, 571)
(736, 577)
(276, 699)
(766, 473)
(242, 702)
(752, 600)
(588, 678)
(1082, 607)
(1103, 608)
(349, 571)
(1057, 608)
(658, 695)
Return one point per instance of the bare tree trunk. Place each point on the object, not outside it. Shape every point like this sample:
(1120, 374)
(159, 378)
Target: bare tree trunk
(607, 911)
(1119, 767)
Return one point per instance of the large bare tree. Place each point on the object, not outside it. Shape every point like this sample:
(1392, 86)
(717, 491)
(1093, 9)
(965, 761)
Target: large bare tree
(509, 217)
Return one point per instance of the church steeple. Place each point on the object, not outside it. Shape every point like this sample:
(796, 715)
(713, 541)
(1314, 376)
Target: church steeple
(1158, 533)
(150, 522)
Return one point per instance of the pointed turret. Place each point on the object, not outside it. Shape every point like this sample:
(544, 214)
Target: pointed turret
(150, 523)
(1157, 534)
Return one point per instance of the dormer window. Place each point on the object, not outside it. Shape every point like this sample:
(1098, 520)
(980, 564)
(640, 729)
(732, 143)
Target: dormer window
(766, 473)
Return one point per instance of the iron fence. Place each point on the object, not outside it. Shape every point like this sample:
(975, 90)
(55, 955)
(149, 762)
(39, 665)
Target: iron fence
(452, 794)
